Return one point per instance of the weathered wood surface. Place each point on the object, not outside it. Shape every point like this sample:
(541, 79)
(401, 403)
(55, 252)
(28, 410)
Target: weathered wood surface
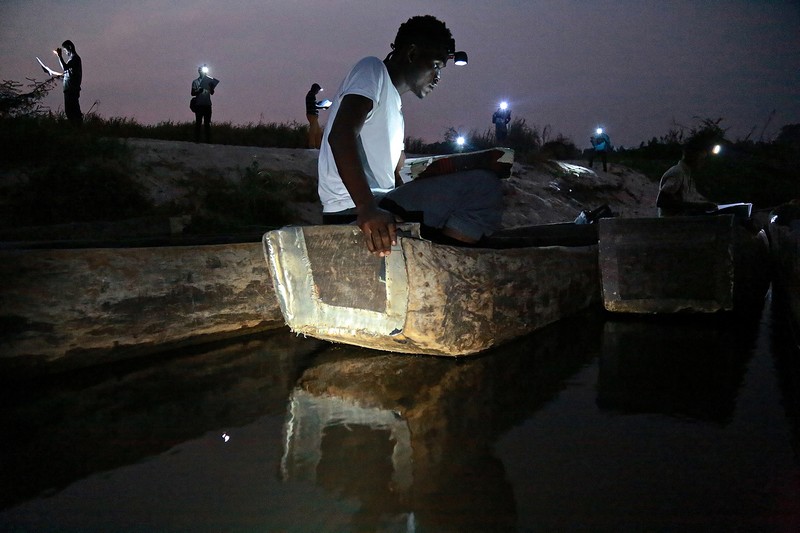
(680, 264)
(785, 254)
(424, 298)
(66, 308)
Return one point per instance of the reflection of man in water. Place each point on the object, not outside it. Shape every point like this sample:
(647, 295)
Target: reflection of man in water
(202, 89)
(312, 114)
(72, 76)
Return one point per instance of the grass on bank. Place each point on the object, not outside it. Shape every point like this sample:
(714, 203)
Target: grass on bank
(58, 174)
(81, 175)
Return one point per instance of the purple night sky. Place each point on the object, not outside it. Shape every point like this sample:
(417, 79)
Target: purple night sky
(635, 67)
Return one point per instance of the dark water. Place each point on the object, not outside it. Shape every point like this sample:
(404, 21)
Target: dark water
(688, 424)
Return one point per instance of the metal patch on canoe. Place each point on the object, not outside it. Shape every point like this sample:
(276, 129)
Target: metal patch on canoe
(328, 284)
(345, 274)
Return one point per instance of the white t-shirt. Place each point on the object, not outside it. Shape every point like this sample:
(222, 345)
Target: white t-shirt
(381, 138)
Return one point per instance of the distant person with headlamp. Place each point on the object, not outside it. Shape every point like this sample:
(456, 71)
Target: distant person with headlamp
(677, 194)
(500, 119)
(312, 114)
(601, 145)
(362, 150)
(72, 77)
(202, 89)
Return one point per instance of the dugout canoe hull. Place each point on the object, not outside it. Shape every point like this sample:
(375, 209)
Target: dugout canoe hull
(424, 298)
(681, 264)
(62, 309)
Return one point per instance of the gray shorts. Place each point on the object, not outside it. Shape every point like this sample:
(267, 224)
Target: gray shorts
(469, 202)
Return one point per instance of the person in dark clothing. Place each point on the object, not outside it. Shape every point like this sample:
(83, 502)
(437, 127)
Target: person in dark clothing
(202, 89)
(312, 114)
(501, 118)
(677, 193)
(72, 77)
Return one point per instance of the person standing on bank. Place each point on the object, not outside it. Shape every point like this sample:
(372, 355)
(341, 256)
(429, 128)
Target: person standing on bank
(202, 89)
(362, 150)
(500, 119)
(601, 145)
(72, 77)
(312, 114)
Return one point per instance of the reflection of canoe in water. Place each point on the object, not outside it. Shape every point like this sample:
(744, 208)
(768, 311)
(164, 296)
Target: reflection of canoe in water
(784, 242)
(681, 365)
(427, 298)
(681, 264)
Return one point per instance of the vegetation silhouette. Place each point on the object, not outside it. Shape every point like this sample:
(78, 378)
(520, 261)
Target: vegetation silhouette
(65, 175)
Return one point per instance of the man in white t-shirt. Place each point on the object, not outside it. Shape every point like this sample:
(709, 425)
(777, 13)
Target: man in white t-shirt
(362, 150)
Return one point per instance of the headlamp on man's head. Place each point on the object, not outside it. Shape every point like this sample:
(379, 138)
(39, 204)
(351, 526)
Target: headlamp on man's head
(204, 69)
(459, 58)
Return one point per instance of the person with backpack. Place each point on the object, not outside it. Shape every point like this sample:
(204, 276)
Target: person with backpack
(202, 89)
(601, 146)
(500, 119)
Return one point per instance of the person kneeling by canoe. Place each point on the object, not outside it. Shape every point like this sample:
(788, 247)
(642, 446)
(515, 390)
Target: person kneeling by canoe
(363, 151)
(677, 194)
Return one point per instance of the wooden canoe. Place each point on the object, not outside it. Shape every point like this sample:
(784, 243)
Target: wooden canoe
(681, 264)
(784, 242)
(428, 298)
(65, 308)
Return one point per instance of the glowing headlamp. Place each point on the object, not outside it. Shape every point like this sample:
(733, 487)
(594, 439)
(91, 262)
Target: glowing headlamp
(716, 149)
(599, 131)
(459, 58)
(503, 105)
(204, 69)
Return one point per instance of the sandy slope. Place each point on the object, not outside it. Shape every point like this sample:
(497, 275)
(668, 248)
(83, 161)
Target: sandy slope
(173, 171)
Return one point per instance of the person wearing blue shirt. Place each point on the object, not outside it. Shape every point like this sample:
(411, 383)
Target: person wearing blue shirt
(601, 145)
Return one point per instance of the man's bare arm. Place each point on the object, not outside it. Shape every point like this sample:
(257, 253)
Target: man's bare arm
(377, 225)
